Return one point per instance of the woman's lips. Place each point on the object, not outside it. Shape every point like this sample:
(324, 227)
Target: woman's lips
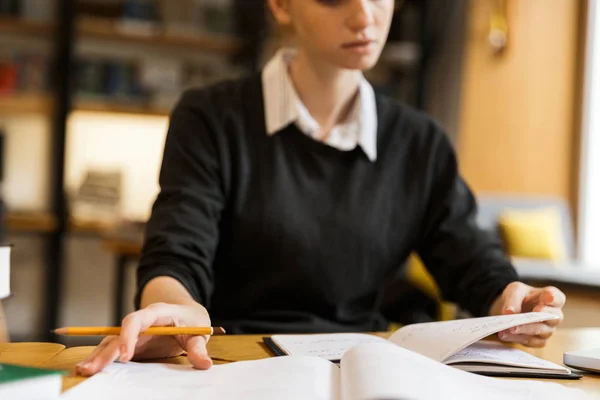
(360, 46)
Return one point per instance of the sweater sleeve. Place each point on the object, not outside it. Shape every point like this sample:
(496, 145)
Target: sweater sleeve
(182, 233)
(468, 263)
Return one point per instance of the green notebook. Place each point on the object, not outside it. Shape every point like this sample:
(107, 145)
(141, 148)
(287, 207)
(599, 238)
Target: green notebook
(28, 383)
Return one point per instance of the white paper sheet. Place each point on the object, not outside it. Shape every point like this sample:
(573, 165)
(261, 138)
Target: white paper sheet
(439, 340)
(497, 353)
(330, 346)
(383, 371)
(295, 378)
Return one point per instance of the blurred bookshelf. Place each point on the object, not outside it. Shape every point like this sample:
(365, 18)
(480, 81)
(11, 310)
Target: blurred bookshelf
(26, 103)
(34, 222)
(19, 26)
(114, 107)
(31, 222)
(117, 32)
(43, 104)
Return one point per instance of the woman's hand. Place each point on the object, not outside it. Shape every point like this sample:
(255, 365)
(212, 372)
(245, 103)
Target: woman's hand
(129, 345)
(518, 297)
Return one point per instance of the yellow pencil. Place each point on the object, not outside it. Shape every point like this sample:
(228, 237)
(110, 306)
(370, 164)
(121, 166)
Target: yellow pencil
(153, 331)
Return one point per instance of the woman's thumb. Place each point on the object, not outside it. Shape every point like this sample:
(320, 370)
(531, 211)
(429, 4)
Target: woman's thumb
(197, 353)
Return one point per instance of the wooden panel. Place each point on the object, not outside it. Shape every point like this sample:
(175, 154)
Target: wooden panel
(517, 118)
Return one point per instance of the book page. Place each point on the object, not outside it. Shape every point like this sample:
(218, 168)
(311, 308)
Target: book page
(330, 346)
(497, 353)
(296, 378)
(376, 371)
(439, 340)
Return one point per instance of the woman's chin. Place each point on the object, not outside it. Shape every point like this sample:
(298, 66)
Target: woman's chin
(363, 63)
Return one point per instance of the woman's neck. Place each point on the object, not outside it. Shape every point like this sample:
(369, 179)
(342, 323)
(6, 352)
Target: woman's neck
(327, 92)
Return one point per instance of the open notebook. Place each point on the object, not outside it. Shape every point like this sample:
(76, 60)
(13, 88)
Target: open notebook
(371, 371)
(452, 342)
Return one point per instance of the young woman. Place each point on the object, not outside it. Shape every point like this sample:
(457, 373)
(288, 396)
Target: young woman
(289, 197)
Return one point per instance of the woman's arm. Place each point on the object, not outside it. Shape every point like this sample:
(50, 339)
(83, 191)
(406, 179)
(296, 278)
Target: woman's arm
(174, 276)
(182, 233)
(165, 289)
(468, 263)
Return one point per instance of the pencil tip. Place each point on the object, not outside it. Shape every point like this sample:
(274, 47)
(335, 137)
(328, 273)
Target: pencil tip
(218, 330)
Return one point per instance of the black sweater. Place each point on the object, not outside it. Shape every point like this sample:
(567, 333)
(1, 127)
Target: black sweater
(286, 234)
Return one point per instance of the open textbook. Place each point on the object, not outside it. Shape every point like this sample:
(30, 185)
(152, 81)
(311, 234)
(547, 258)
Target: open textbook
(452, 342)
(370, 371)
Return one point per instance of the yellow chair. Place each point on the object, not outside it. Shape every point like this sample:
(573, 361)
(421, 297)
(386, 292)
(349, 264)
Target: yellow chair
(419, 277)
(3, 327)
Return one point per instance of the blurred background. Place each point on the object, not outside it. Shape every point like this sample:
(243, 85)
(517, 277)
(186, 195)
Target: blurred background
(86, 88)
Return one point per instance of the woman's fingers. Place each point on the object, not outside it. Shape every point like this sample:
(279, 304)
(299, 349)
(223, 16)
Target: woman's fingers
(536, 329)
(530, 341)
(197, 353)
(532, 335)
(551, 310)
(136, 322)
(107, 352)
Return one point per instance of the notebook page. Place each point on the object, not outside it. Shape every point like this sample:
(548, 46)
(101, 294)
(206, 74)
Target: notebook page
(330, 346)
(297, 378)
(439, 340)
(377, 371)
(497, 353)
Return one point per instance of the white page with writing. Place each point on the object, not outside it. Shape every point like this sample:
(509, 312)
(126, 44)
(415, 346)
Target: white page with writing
(295, 378)
(376, 371)
(439, 340)
(497, 353)
(330, 346)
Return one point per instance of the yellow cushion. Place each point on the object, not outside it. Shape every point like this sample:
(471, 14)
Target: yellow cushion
(532, 233)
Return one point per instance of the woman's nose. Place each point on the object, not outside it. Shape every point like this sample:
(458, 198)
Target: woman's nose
(360, 14)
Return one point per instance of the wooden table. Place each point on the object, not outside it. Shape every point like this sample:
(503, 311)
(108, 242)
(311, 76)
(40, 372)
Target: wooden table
(232, 348)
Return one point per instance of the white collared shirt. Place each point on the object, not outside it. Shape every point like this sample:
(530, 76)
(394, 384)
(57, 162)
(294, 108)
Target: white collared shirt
(283, 107)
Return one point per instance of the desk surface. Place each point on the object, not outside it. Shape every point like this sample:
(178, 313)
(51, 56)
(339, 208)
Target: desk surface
(232, 348)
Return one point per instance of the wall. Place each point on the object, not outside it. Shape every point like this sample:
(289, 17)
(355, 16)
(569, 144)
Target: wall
(518, 109)
(589, 227)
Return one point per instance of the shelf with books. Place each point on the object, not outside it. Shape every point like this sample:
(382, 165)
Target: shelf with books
(31, 222)
(25, 103)
(21, 26)
(89, 227)
(107, 106)
(116, 32)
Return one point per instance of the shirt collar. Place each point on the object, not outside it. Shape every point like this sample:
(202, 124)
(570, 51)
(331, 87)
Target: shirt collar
(283, 106)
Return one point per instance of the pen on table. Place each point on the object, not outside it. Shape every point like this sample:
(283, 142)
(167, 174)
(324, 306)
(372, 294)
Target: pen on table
(153, 330)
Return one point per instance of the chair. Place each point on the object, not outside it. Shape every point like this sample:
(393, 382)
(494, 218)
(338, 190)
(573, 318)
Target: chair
(4, 338)
(491, 206)
(414, 297)
(415, 293)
